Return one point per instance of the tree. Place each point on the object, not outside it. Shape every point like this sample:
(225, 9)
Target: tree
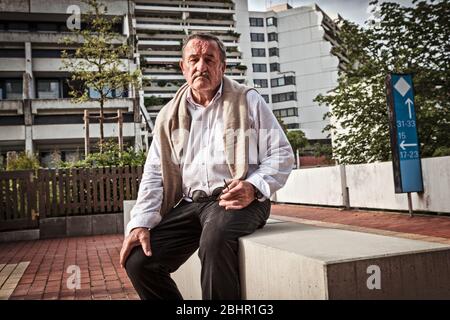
(404, 40)
(97, 62)
(297, 140)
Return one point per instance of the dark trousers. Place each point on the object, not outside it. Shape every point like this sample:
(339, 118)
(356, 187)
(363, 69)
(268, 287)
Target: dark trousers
(186, 228)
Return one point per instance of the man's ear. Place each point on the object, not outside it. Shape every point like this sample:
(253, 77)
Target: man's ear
(180, 63)
(224, 66)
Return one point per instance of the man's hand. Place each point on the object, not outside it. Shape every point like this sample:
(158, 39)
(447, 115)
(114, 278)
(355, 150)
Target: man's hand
(137, 236)
(238, 195)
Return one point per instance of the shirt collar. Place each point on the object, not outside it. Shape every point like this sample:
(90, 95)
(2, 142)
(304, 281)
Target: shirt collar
(191, 101)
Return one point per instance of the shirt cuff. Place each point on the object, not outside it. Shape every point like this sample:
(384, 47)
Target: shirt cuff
(148, 220)
(260, 184)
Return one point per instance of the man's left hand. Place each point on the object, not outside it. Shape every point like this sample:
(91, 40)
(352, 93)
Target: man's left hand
(238, 195)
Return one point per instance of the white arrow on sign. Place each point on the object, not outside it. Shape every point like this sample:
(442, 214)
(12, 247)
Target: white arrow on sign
(403, 145)
(409, 103)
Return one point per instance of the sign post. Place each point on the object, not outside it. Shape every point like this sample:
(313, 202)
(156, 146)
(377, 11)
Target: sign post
(403, 132)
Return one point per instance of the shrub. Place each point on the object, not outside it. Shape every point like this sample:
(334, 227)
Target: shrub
(110, 157)
(22, 161)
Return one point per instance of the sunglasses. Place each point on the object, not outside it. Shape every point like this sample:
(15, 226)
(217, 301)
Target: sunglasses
(202, 196)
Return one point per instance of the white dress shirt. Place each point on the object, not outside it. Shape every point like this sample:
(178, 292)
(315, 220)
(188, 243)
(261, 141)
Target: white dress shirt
(204, 167)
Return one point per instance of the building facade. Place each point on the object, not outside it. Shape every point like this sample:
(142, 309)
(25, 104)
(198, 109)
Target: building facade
(292, 63)
(36, 112)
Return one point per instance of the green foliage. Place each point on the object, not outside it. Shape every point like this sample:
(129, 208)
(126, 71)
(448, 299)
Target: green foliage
(404, 40)
(441, 152)
(322, 150)
(154, 101)
(297, 139)
(110, 156)
(102, 50)
(23, 161)
(241, 67)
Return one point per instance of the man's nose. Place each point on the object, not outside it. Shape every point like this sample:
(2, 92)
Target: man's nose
(201, 65)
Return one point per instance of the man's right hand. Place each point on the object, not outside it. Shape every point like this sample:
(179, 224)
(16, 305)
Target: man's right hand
(137, 237)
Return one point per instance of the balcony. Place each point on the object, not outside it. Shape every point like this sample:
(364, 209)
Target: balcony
(44, 37)
(12, 64)
(147, 8)
(65, 105)
(11, 107)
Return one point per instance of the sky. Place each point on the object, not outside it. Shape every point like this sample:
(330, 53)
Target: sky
(354, 10)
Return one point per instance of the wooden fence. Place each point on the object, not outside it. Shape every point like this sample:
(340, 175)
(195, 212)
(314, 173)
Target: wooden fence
(46, 193)
(17, 200)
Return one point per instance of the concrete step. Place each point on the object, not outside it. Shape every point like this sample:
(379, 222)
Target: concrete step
(287, 260)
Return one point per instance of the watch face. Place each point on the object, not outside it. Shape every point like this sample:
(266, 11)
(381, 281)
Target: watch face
(258, 194)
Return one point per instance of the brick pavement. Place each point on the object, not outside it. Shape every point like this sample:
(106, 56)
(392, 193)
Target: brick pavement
(423, 227)
(46, 276)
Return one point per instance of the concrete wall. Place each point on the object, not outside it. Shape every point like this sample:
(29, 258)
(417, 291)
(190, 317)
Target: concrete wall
(321, 186)
(372, 186)
(369, 186)
(66, 104)
(76, 131)
(12, 133)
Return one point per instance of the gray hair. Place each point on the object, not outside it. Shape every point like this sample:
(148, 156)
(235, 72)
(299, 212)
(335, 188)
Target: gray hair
(207, 37)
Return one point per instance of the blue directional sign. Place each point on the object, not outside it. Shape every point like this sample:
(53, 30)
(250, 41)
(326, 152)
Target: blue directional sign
(404, 139)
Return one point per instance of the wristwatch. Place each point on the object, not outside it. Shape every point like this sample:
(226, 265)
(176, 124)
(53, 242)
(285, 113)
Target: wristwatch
(258, 194)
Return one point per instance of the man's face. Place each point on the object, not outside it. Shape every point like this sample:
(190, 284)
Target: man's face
(202, 65)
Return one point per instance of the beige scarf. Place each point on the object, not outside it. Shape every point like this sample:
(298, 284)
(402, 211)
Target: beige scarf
(173, 125)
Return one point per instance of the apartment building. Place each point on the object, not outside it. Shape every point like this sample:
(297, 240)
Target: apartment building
(161, 26)
(292, 63)
(36, 112)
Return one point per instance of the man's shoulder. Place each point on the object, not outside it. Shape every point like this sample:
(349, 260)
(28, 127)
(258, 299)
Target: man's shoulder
(164, 113)
(233, 86)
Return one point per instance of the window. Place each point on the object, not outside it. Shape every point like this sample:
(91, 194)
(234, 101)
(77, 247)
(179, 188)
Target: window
(284, 81)
(265, 97)
(11, 89)
(12, 53)
(274, 52)
(261, 83)
(259, 67)
(256, 22)
(257, 52)
(48, 89)
(274, 67)
(47, 27)
(47, 53)
(281, 97)
(17, 26)
(288, 112)
(257, 37)
(272, 21)
(272, 36)
(292, 126)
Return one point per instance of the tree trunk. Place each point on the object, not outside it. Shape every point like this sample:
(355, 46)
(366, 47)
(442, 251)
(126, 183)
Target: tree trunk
(102, 136)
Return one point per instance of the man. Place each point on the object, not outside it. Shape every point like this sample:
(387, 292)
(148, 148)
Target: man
(217, 155)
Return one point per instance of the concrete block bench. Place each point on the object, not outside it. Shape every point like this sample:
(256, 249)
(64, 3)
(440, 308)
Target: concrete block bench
(287, 260)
